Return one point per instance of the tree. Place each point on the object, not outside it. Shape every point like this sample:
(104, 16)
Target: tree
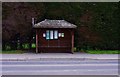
(17, 19)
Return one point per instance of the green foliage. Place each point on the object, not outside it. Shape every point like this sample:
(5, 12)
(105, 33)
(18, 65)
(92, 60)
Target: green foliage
(26, 46)
(33, 45)
(103, 51)
(8, 47)
(103, 23)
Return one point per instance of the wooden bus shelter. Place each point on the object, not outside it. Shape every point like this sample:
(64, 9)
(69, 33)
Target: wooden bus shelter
(54, 36)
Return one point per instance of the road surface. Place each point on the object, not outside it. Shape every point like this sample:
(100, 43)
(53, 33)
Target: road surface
(60, 67)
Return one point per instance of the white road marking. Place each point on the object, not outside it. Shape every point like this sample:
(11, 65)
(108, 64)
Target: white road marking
(43, 65)
(63, 72)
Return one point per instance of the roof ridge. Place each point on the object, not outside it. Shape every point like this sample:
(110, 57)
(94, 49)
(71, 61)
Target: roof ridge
(55, 20)
(54, 24)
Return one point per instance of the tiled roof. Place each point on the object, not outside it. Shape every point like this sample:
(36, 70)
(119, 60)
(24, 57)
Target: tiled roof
(54, 24)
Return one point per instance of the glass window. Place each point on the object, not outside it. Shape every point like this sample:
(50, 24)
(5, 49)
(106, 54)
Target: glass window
(62, 34)
(55, 34)
(59, 34)
(51, 34)
(43, 34)
(47, 34)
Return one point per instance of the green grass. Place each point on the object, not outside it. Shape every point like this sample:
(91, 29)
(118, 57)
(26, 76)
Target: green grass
(103, 51)
(12, 52)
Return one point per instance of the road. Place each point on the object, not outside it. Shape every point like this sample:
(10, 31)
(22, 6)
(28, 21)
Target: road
(60, 67)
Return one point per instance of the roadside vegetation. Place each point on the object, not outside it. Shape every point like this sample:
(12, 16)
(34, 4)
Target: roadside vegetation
(12, 52)
(25, 48)
(103, 51)
(96, 51)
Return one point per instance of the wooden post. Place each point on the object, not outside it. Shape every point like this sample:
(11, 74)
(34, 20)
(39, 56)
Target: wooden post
(36, 41)
(72, 49)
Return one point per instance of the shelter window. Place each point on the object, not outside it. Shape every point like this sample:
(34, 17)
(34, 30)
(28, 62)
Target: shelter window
(62, 35)
(51, 34)
(47, 34)
(56, 34)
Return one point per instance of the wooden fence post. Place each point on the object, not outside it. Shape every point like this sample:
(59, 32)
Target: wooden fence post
(36, 41)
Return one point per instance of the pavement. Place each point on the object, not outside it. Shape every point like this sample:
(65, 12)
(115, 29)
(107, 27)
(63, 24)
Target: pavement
(55, 56)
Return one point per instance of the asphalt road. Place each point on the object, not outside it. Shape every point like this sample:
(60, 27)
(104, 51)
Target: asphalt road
(60, 67)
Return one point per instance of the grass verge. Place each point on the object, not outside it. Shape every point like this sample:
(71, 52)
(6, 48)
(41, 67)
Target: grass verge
(103, 51)
(12, 52)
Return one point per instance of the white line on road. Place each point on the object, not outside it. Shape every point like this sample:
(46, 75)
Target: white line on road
(60, 65)
(64, 72)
